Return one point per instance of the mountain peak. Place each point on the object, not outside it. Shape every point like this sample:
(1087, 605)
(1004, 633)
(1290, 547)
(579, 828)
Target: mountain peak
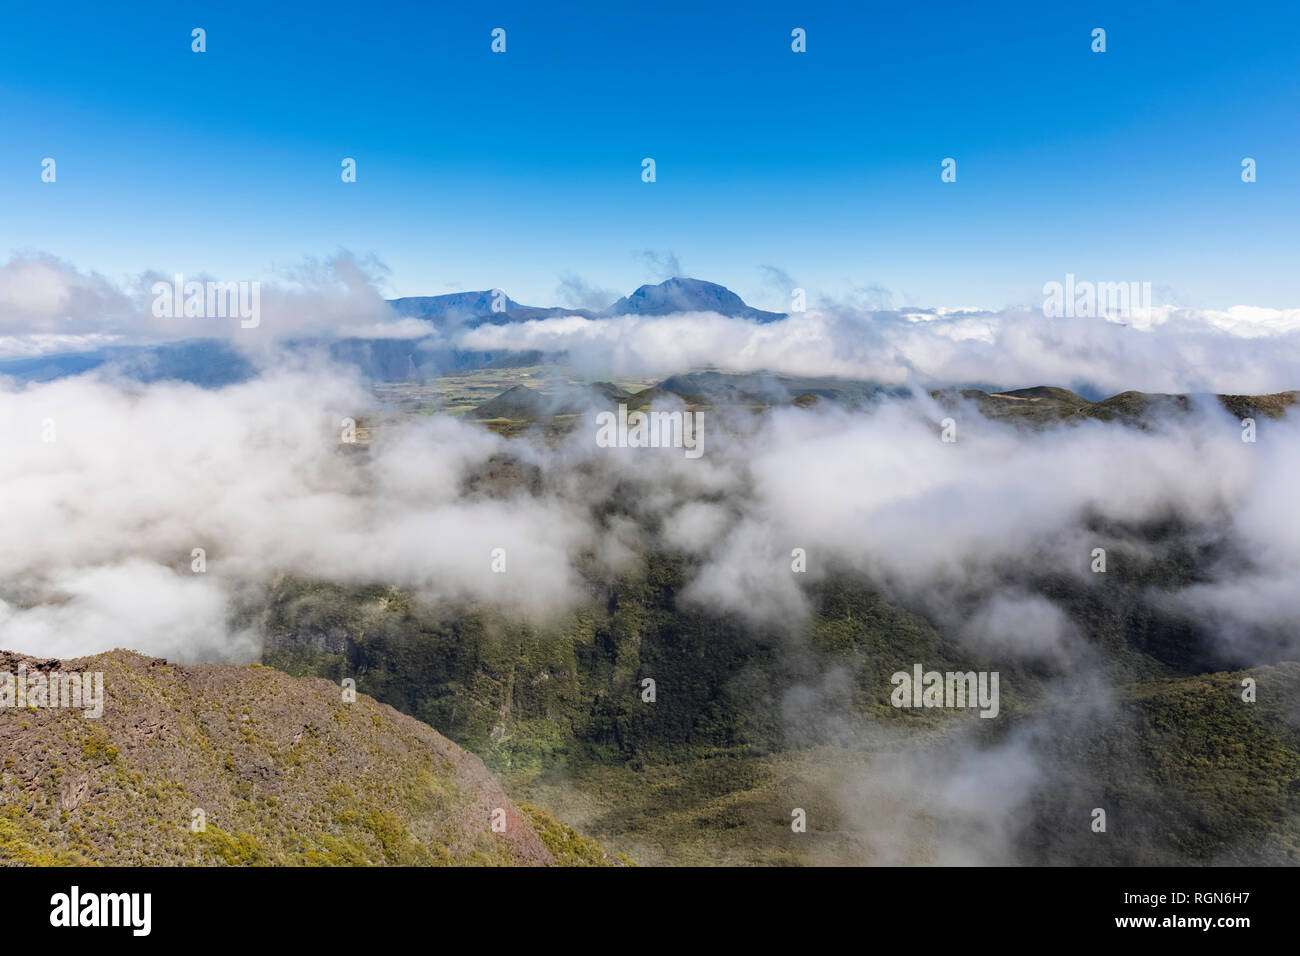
(683, 294)
(463, 305)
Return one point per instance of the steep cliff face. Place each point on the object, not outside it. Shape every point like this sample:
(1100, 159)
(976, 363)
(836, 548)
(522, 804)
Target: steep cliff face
(246, 765)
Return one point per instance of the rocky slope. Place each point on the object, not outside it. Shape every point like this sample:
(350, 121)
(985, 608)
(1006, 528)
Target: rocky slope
(247, 765)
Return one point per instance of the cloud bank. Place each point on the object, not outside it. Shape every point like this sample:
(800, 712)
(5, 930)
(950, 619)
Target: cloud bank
(48, 305)
(1238, 351)
(110, 488)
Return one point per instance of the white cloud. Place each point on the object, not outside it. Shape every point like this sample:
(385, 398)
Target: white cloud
(1178, 351)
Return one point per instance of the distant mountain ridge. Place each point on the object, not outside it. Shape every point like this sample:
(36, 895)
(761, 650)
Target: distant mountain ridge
(677, 294)
(215, 362)
(1041, 405)
(473, 308)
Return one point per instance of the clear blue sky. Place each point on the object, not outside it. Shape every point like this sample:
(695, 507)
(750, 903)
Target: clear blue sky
(478, 170)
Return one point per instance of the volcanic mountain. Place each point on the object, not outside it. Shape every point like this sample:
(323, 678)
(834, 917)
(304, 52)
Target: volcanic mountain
(669, 296)
(688, 295)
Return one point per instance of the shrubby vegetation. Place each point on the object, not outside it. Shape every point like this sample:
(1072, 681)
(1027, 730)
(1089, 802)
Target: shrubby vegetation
(748, 724)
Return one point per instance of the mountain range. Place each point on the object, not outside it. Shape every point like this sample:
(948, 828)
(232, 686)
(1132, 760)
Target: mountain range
(672, 295)
(213, 363)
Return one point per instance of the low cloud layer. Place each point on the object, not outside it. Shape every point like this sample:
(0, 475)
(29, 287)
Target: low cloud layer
(1238, 351)
(113, 489)
(102, 521)
(109, 488)
(49, 305)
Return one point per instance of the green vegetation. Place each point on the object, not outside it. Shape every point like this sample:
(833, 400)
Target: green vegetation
(566, 844)
(747, 725)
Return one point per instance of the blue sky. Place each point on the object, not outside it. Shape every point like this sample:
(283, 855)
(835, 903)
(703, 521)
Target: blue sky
(478, 170)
